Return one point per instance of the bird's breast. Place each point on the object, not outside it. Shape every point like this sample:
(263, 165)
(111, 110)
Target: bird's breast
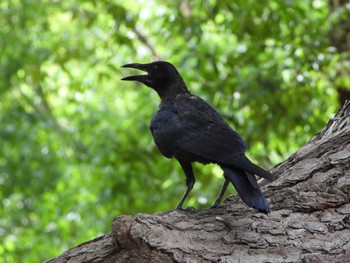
(163, 127)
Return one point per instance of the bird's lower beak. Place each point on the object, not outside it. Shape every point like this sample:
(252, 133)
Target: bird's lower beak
(141, 78)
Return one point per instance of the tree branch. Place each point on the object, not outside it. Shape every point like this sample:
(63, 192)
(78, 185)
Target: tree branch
(145, 41)
(309, 222)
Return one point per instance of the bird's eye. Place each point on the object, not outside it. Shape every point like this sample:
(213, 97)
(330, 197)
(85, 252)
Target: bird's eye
(155, 67)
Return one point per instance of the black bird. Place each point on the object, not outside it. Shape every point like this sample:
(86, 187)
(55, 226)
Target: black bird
(190, 130)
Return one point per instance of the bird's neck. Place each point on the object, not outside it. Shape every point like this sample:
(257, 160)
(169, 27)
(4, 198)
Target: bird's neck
(171, 91)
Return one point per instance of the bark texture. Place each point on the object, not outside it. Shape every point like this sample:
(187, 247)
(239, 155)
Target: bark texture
(309, 222)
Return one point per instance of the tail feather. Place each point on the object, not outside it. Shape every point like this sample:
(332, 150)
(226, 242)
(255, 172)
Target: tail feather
(248, 188)
(241, 161)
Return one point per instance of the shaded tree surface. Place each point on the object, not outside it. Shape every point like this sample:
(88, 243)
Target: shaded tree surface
(309, 222)
(340, 39)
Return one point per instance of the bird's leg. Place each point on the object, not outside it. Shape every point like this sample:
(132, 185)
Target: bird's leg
(221, 194)
(190, 180)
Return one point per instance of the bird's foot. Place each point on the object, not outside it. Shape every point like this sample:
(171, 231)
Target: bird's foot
(218, 205)
(187, 209)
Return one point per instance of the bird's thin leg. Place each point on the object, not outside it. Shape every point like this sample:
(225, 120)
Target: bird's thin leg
(190, 180)
(221, 194)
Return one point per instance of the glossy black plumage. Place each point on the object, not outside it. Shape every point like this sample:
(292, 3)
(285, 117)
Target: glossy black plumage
(190, 130)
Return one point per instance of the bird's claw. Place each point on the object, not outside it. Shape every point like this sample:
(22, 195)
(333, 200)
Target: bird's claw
(218, 206)
(187, 209)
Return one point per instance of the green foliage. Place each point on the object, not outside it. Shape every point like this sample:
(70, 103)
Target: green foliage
(75, 149)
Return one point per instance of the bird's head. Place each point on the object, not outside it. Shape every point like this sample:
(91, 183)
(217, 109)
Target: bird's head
(161, 75)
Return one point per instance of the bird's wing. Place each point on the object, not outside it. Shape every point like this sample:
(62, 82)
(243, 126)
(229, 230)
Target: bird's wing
(196, 132)
(189, 128)
(209, 138)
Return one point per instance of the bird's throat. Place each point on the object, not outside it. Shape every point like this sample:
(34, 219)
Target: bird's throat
(170, 92)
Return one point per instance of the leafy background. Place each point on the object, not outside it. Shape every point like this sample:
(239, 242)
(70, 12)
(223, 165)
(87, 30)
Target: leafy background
(75, 148)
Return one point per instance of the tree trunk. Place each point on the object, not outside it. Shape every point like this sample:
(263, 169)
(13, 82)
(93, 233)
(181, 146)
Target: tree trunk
(309, 222)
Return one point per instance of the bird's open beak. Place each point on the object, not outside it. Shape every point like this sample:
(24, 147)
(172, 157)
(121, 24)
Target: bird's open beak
(146, 79)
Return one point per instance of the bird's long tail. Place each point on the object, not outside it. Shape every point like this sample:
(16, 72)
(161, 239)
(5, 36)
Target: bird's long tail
(241, 161)
(248, 188)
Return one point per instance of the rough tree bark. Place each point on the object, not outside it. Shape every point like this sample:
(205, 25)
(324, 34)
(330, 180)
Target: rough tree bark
(309, 222)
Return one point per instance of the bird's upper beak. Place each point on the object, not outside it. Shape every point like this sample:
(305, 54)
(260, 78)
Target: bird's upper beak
(146, 79)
